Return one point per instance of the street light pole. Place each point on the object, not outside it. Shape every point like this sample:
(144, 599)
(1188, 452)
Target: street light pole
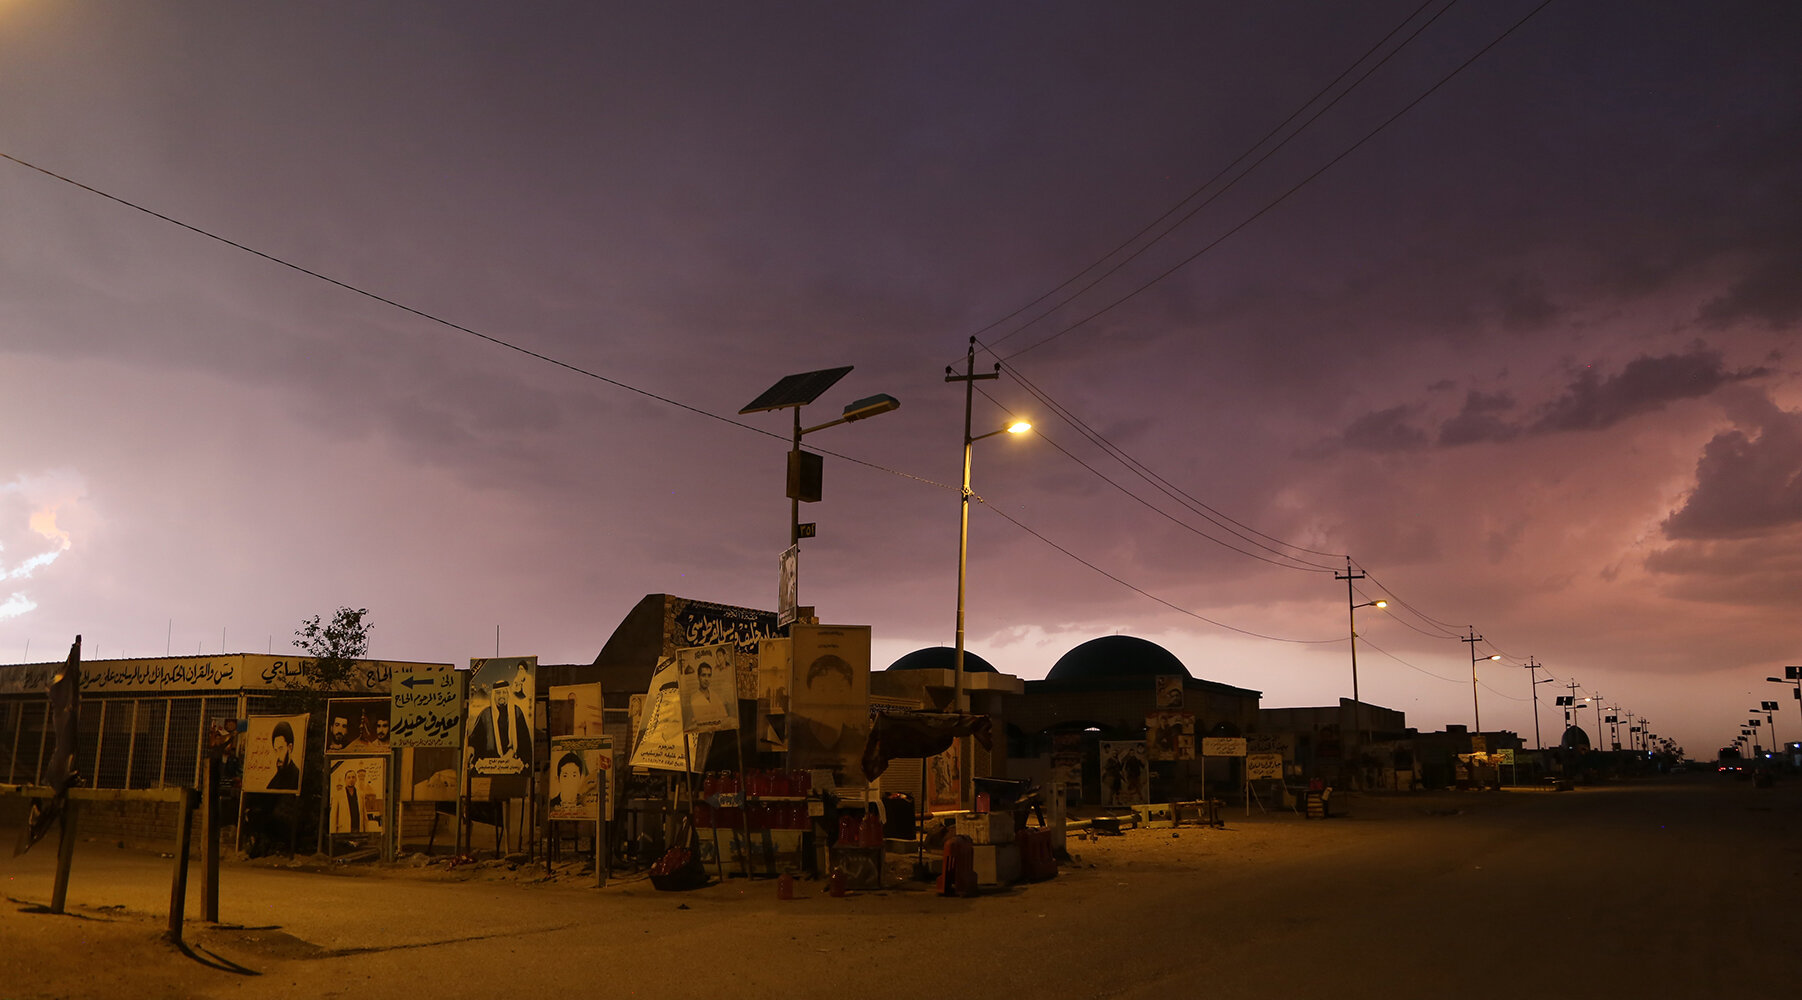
(1351, 616)
(969, 378)
(1476, 710)
(1533, 677)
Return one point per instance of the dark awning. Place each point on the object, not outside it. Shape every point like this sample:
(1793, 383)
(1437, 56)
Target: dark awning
(919, 734)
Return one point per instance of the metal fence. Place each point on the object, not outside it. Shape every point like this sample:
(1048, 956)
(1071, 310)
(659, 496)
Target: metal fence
(146, 742)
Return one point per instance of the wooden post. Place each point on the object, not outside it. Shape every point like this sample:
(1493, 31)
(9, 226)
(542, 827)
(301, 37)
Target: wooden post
(178, 889)
(65, 855)
(744, 798)
(209, 849)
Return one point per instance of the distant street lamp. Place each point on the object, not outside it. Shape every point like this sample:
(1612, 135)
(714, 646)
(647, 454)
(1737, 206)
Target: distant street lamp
(1476, 709)
(969, 378)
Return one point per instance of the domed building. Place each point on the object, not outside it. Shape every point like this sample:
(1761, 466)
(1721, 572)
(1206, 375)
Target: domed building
(1111, 683)
(1106, 690)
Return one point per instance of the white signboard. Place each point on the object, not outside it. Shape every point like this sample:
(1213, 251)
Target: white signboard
(1223, 746)
(427, 706)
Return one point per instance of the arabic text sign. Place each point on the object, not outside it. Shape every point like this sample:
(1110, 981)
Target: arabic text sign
(1263, 765)
(1223, 746)
(427, 706)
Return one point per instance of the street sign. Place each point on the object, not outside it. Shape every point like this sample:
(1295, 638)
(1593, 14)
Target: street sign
(426, 706)
(806, 529)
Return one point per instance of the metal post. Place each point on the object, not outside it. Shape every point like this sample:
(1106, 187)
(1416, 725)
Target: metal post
(209, 849)
(131, 743)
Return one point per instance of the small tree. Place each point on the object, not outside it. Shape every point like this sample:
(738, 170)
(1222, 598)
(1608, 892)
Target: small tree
(334, 646)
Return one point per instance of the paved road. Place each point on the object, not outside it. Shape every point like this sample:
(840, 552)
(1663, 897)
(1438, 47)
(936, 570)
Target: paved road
(1670, 889)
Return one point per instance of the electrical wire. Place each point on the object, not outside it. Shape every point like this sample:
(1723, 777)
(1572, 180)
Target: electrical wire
(1197, 192)
(1141, 591)
(1163, 485)
(1286, 194)
(441, 321)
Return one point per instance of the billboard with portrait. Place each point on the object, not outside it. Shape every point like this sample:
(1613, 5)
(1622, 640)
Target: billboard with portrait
(1170, 735)
(275, 748)
(1125, 773)
(829, 704)
(357, 725)
(658, 741)
(707, 680)
(581, 783)
(358, 791)
(502, 697)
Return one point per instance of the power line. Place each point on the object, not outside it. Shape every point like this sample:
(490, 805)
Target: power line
(1285, 195)
(1141, 591)
(441, 321)
(1169, 489)
(1222, 172)
(1306, 567)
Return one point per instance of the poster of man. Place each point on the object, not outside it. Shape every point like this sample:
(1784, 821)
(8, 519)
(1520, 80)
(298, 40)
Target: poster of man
(1169, 691)
(357, 725)
(581, 778)
(274, 752)
(502, 696)
(829, 705)
(1170, 735)
(358, 789)
(658, 742)
(1125, 774)
(708, 682)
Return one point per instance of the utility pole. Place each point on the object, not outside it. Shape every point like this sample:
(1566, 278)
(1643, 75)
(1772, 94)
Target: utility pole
(1598, 701)
(1533, 677)
(1570, 709)
(1351, 617)
(969, 378)
(1476, 711)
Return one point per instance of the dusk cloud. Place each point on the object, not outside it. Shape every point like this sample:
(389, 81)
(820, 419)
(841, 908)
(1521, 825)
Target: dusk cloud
(1645, 384)
(1589, 402)
(1746, 483)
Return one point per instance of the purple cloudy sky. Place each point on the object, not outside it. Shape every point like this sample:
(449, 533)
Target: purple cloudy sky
(1527, 353)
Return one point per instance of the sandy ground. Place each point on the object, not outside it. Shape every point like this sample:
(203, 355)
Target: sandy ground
(1664, 889)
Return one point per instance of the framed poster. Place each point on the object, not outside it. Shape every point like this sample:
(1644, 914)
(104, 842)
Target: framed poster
(1125, 773)
(358, 725)
(581, 779)
(707, 680)
(502, 699)
(829, 704)
(1170, 735)
(358, 791)
(275, 748)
